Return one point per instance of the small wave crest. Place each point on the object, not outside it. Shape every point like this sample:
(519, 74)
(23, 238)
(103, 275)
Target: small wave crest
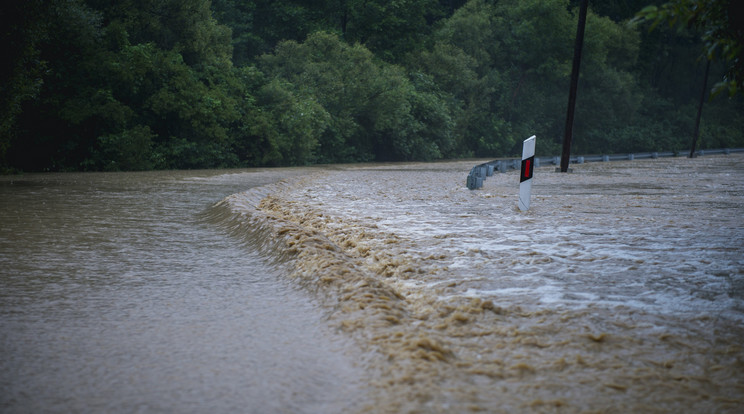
(239, 216)
(404, 339)
(260, 219)
(429, 344)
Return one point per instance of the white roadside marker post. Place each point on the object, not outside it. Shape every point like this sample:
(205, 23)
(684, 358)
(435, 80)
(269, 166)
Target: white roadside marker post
(525, 178)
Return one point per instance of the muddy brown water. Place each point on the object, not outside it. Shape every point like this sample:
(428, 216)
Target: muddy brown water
(375, 288)
(117, 296)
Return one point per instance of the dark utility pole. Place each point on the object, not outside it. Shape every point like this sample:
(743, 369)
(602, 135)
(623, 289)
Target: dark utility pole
(566, 154)
(700, 111)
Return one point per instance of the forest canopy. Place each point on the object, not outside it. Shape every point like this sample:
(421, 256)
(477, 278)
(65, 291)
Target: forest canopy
(172, 84)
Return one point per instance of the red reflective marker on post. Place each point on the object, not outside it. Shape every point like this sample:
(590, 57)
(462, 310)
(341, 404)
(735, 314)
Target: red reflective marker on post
(527, 169)
(525, 178)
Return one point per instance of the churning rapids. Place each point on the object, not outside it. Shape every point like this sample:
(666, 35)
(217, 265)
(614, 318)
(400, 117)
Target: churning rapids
(376, 288)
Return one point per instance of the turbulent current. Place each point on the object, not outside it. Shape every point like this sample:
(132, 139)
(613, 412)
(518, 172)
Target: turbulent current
(382, 289)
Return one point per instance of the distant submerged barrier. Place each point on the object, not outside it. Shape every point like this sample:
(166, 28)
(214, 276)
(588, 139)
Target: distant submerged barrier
(480, 172)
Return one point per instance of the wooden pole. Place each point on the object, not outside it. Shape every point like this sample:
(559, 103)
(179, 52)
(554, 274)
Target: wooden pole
(700, 111)
(578, 45)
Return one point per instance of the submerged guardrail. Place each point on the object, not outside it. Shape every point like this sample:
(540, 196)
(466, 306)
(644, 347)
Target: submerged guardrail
(480, 172)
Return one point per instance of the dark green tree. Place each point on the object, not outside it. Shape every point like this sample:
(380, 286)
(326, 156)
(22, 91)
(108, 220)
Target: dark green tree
(140, 84)
(57, 128)
(721, 24)
(371, 104)
(22, 70)
(258, 26)
(130, 85)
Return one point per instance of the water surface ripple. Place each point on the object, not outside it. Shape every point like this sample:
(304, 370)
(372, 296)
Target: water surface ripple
(117, 295)
(376, 288)
(621, 290)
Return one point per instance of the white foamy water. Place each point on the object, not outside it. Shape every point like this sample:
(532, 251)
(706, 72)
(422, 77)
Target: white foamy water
(620, 290)
(665, 236)
(375, 289)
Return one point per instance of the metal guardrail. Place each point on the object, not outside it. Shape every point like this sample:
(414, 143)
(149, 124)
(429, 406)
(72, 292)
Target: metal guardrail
(480, 172)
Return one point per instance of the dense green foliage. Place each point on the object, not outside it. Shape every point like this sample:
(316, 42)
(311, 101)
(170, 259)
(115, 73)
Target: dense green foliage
(721, 23)
(149, 84)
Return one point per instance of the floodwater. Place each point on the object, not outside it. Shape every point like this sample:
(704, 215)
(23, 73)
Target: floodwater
(376, 288)
(118, 296)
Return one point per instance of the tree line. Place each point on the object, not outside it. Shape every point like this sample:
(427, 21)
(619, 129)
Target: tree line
(176, 84)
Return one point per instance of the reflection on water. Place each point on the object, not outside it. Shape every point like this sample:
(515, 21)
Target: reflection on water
(116, 296)
(620, 290)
